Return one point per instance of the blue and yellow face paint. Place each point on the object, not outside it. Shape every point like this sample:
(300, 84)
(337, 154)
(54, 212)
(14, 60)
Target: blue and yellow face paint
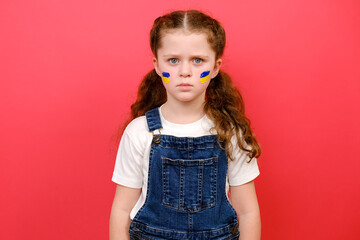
(165, 77)
(204, 76)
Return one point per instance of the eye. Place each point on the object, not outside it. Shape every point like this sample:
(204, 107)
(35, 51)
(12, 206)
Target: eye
(198, 60)
(173, 60)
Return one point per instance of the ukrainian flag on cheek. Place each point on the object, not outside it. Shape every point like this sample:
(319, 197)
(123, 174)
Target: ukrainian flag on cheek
(165, 77)
(204, 76)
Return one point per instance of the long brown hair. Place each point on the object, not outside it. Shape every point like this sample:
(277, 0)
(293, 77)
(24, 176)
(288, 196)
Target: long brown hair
(224, 103)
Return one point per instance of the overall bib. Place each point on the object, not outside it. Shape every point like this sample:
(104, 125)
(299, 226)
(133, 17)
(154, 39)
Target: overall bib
(186, 196)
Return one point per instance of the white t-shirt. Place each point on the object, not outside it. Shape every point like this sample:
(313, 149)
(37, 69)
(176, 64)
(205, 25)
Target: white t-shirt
(132, 161)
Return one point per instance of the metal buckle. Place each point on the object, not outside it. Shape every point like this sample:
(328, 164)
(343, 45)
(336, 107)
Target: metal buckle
(156, 138)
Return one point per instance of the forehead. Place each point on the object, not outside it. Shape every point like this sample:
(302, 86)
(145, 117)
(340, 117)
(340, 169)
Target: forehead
(181, 41)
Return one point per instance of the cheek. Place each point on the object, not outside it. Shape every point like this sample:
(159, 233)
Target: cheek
(166, 77)
(204, 76)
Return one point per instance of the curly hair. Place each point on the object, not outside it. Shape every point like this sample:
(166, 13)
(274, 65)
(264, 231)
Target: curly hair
(223, 102)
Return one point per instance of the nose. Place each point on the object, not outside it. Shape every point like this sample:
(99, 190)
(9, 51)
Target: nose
(185, 70)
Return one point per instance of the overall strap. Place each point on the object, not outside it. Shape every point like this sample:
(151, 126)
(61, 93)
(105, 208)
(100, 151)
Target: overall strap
(153, 119)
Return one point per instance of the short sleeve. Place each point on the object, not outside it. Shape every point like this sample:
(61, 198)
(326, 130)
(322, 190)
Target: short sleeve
(128, 168)
(240, 171)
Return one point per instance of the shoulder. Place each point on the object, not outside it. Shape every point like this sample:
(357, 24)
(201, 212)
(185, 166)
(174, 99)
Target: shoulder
(137, 125)
(137, 133)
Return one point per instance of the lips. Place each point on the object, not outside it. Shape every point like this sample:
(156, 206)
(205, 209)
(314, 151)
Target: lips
(184, 85)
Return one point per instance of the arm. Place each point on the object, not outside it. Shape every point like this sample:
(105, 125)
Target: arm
(243, 199)
(124, 200)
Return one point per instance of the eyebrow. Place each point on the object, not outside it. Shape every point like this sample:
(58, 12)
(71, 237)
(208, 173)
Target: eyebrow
(176, 56)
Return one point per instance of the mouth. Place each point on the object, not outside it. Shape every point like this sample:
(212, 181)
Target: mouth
(184, 85)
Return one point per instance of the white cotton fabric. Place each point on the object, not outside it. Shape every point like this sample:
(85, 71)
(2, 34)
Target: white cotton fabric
(132, 161)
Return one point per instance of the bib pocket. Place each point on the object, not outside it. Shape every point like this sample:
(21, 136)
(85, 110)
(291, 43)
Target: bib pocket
(189, 185)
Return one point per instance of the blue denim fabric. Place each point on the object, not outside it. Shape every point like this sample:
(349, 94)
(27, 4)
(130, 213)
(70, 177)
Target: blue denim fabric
(186, 197)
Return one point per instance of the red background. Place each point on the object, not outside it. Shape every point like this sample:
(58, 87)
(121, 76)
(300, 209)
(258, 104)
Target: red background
(69, 71)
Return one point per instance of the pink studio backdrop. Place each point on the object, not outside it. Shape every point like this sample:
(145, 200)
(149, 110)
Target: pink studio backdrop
(69, 71)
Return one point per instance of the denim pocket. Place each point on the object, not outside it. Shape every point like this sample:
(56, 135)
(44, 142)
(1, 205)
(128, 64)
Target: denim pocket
(189, 185)
(137, 234)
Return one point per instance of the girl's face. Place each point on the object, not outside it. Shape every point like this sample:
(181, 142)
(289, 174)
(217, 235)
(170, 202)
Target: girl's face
(186, 63)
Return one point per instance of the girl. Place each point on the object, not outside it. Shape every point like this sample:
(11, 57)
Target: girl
(187, 144)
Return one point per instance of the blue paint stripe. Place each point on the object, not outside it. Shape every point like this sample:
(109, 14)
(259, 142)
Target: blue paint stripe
(166, 74)
(204, 74)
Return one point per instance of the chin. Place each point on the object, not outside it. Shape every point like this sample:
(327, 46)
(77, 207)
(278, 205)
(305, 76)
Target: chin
(187, 99)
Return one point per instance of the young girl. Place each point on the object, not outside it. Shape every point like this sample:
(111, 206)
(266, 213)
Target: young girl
(188, 143)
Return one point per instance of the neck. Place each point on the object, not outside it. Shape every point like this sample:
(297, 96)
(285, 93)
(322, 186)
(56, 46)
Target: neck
(183, 112)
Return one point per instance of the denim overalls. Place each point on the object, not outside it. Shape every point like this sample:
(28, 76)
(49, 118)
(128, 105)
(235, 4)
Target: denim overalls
(186, 197)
